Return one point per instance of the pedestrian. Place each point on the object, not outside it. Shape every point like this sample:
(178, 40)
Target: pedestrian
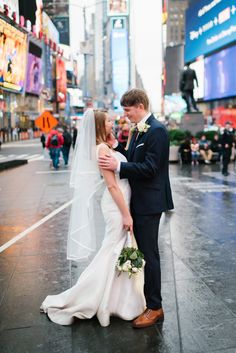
(75, 132)
(187, 80)
(123, 134)
(43, 140)
(227, 140)
(14, 134)
(66, 145)
(185, 151)
(54, 144)
(148, 173)
(216, 146)
(194, 151)
(205, 151)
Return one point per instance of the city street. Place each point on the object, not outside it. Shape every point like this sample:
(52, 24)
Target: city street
(197, 246)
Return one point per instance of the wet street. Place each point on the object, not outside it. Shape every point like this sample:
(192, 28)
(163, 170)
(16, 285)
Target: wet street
(197, 245)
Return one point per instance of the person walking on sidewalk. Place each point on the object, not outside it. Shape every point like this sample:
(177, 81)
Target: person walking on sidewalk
(54, 143)
(66, 145)
(227, 144)
(43, 140)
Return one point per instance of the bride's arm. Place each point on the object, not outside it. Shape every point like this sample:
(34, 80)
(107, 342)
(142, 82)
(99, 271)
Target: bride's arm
(111, 183)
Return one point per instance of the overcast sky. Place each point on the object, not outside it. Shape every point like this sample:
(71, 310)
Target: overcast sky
(146, 15)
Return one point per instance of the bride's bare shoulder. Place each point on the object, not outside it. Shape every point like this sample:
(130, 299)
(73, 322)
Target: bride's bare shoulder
(102, 147)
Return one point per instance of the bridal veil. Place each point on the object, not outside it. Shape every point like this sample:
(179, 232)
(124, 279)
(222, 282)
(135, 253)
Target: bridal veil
(85, 218)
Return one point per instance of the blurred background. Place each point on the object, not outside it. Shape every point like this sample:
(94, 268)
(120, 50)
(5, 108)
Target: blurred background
(66, 55)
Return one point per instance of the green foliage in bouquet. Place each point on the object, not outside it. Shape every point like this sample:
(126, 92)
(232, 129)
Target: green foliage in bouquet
(131, 260)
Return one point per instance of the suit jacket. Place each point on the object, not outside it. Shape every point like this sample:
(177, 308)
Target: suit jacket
(147, 169)
(187, 80)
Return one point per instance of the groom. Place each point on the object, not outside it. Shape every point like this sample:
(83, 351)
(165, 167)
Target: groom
(148, 175)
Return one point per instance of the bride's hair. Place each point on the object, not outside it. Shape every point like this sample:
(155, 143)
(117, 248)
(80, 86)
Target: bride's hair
(100, 126)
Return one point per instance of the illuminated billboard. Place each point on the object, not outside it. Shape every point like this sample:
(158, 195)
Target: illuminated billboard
(220, 74)
(210, 24)
(13, 49)
(34, 74)
(61, 80)
(120, 64)
(118, 8)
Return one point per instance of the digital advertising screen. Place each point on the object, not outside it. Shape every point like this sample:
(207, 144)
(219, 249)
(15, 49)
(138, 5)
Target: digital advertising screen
(210, 24)
(118, 8)
(61, 80)
(34, 74)
(13, 49)
(199, 68)
(220, 74)
(47, 68)
(120, 64)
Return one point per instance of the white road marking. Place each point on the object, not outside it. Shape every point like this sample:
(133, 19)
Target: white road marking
(35, 159)
(21, 156)
(53, 172)
(33, 156)
(34, 226)
(21, 145)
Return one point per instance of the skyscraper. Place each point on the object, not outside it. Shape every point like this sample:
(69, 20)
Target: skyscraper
(176, 21)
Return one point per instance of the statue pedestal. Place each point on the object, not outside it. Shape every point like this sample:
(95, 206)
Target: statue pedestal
(193, 122)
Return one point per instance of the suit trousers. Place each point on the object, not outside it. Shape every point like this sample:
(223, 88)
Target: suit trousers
(226, 154)
(146, 229)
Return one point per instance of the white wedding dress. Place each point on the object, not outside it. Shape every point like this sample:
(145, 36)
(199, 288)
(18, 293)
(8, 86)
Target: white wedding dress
(99, 291)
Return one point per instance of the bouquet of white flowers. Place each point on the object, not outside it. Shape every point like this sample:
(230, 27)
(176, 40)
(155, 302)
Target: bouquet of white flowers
(131, 259)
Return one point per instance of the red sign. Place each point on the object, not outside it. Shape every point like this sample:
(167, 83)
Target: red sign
(222, 115)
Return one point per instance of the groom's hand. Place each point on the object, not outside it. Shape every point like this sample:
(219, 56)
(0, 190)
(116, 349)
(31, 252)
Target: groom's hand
(108, 162)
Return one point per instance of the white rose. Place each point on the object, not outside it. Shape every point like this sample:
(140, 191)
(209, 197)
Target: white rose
(141, 126)
(134, 269)
(125, 267)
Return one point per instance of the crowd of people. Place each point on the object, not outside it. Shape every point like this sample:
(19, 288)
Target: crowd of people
(220, 148)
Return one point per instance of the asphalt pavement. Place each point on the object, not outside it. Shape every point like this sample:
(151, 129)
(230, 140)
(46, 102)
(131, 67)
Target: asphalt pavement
(197, 245)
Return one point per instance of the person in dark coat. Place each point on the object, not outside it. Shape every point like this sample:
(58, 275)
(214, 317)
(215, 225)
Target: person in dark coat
(147, 169)
(74, 136)
(43, 140)
(187, 79)
(227, 140)
(66, 145)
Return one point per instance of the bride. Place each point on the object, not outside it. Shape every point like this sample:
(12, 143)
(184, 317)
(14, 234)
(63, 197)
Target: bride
(98, 291)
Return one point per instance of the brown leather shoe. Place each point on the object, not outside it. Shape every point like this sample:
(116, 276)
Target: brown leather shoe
(148, 318)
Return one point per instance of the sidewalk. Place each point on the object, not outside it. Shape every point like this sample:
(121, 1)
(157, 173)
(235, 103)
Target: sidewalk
(197, 246)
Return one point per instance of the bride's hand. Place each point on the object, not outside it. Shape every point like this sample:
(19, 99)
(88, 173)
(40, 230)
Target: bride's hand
(128, 223)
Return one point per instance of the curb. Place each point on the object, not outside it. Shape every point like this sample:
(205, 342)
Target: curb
(12, 164)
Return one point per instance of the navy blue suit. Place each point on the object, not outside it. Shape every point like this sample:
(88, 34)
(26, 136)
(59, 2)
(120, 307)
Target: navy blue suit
(147, 170)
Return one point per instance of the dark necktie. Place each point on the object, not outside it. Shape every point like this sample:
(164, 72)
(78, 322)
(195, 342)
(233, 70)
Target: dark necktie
(133, 140)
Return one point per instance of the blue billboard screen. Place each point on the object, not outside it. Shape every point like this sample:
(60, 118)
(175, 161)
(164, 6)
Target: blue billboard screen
(210, 24)
(120, 64)
(220, 74)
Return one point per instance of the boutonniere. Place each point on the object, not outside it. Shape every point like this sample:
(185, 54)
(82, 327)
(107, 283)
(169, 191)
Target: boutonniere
(142, 127)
